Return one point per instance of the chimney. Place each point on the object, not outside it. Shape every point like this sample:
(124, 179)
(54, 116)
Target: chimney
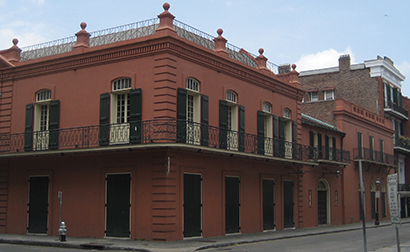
(284, 68)
(344, 63)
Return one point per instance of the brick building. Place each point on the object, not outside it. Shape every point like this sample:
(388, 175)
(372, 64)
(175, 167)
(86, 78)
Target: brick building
(148, 131)
(363, 101)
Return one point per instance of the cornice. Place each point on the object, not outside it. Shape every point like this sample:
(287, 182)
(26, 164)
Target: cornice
(381, 68)
(138, 48)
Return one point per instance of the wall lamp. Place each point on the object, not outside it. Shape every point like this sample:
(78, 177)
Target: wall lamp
(336, 172)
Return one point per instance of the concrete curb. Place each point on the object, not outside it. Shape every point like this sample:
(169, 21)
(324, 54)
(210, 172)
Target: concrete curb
(189, 245)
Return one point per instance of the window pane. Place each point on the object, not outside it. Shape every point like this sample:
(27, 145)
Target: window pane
(231, 96)
(120, 84)
(192, 84)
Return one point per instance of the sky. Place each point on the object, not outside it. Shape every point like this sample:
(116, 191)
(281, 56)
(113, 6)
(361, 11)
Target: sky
(309, 33)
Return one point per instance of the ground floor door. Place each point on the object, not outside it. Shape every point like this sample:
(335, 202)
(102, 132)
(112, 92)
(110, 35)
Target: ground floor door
(232, 204)
(38, 205)
(268, 188)
(118, 205)
(322, 207)
(288, 204)
(192, 205)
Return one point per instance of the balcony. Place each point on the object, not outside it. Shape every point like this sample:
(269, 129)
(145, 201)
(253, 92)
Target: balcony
(372, 156)
(153, 133)
(330, 155)
(395, 110)
(402, 144)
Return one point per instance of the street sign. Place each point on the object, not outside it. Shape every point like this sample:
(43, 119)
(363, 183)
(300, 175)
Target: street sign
(394, 202)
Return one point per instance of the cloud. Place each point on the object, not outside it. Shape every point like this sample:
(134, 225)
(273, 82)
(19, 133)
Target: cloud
(324, 59)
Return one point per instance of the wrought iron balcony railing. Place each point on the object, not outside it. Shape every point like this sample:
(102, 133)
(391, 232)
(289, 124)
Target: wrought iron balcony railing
(393, 106)
(153, 132)
(331, 154)
(404, 187)
(369, 155)
(402, 143)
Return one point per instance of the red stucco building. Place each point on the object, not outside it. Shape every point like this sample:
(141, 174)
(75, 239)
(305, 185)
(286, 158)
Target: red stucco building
(167, 133)
(357, 100)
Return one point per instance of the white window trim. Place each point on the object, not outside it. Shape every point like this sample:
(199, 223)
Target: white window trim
(329, 95)
(314, 98)
(193, 128)
(119, 132)
(232, 98)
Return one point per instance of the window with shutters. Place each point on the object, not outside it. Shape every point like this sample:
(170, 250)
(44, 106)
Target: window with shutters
(42, 120)
(232, 120)
(120, 111)
(331, 142)
(371, 147)
(193, 112)
(268, 128)
(288, 133)
(315, 145)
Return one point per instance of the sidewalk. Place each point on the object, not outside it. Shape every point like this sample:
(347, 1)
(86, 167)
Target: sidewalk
(187, 244)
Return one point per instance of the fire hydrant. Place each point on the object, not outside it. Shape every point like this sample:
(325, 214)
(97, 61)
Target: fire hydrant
(62, 231)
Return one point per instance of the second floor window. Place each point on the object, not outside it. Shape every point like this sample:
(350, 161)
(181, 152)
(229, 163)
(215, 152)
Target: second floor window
(42, 122)
(231, 98)
(121, 100)
(193, 101)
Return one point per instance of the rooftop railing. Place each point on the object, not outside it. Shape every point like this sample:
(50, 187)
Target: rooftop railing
(132, 31)
(153, 132)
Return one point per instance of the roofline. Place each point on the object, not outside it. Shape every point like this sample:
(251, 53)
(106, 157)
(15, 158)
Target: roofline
(319, 123)
(330, 70)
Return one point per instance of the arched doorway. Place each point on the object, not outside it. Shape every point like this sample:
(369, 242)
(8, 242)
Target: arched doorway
(323, 206)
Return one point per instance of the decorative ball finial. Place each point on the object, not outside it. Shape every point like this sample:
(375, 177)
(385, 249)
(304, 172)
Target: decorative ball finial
(293, 67)
(83, 25)
(15, 41)
(166, 6)
(220, 31)
(261, 51)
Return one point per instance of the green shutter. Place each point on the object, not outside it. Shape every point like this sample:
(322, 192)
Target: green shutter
(223, 124)
(327, 147)
(296, 155)
(319, 145)
(135, 115)
(261, 132)
(359, 145)
(54, 124)
(241, 128)
(312, 145)
(282, 125)
(275, 136)
(204, 120)
(104, 133)
(28, 135)
(181, 115)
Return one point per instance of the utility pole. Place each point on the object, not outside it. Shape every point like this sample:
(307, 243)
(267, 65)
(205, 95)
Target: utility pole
(362, 208)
